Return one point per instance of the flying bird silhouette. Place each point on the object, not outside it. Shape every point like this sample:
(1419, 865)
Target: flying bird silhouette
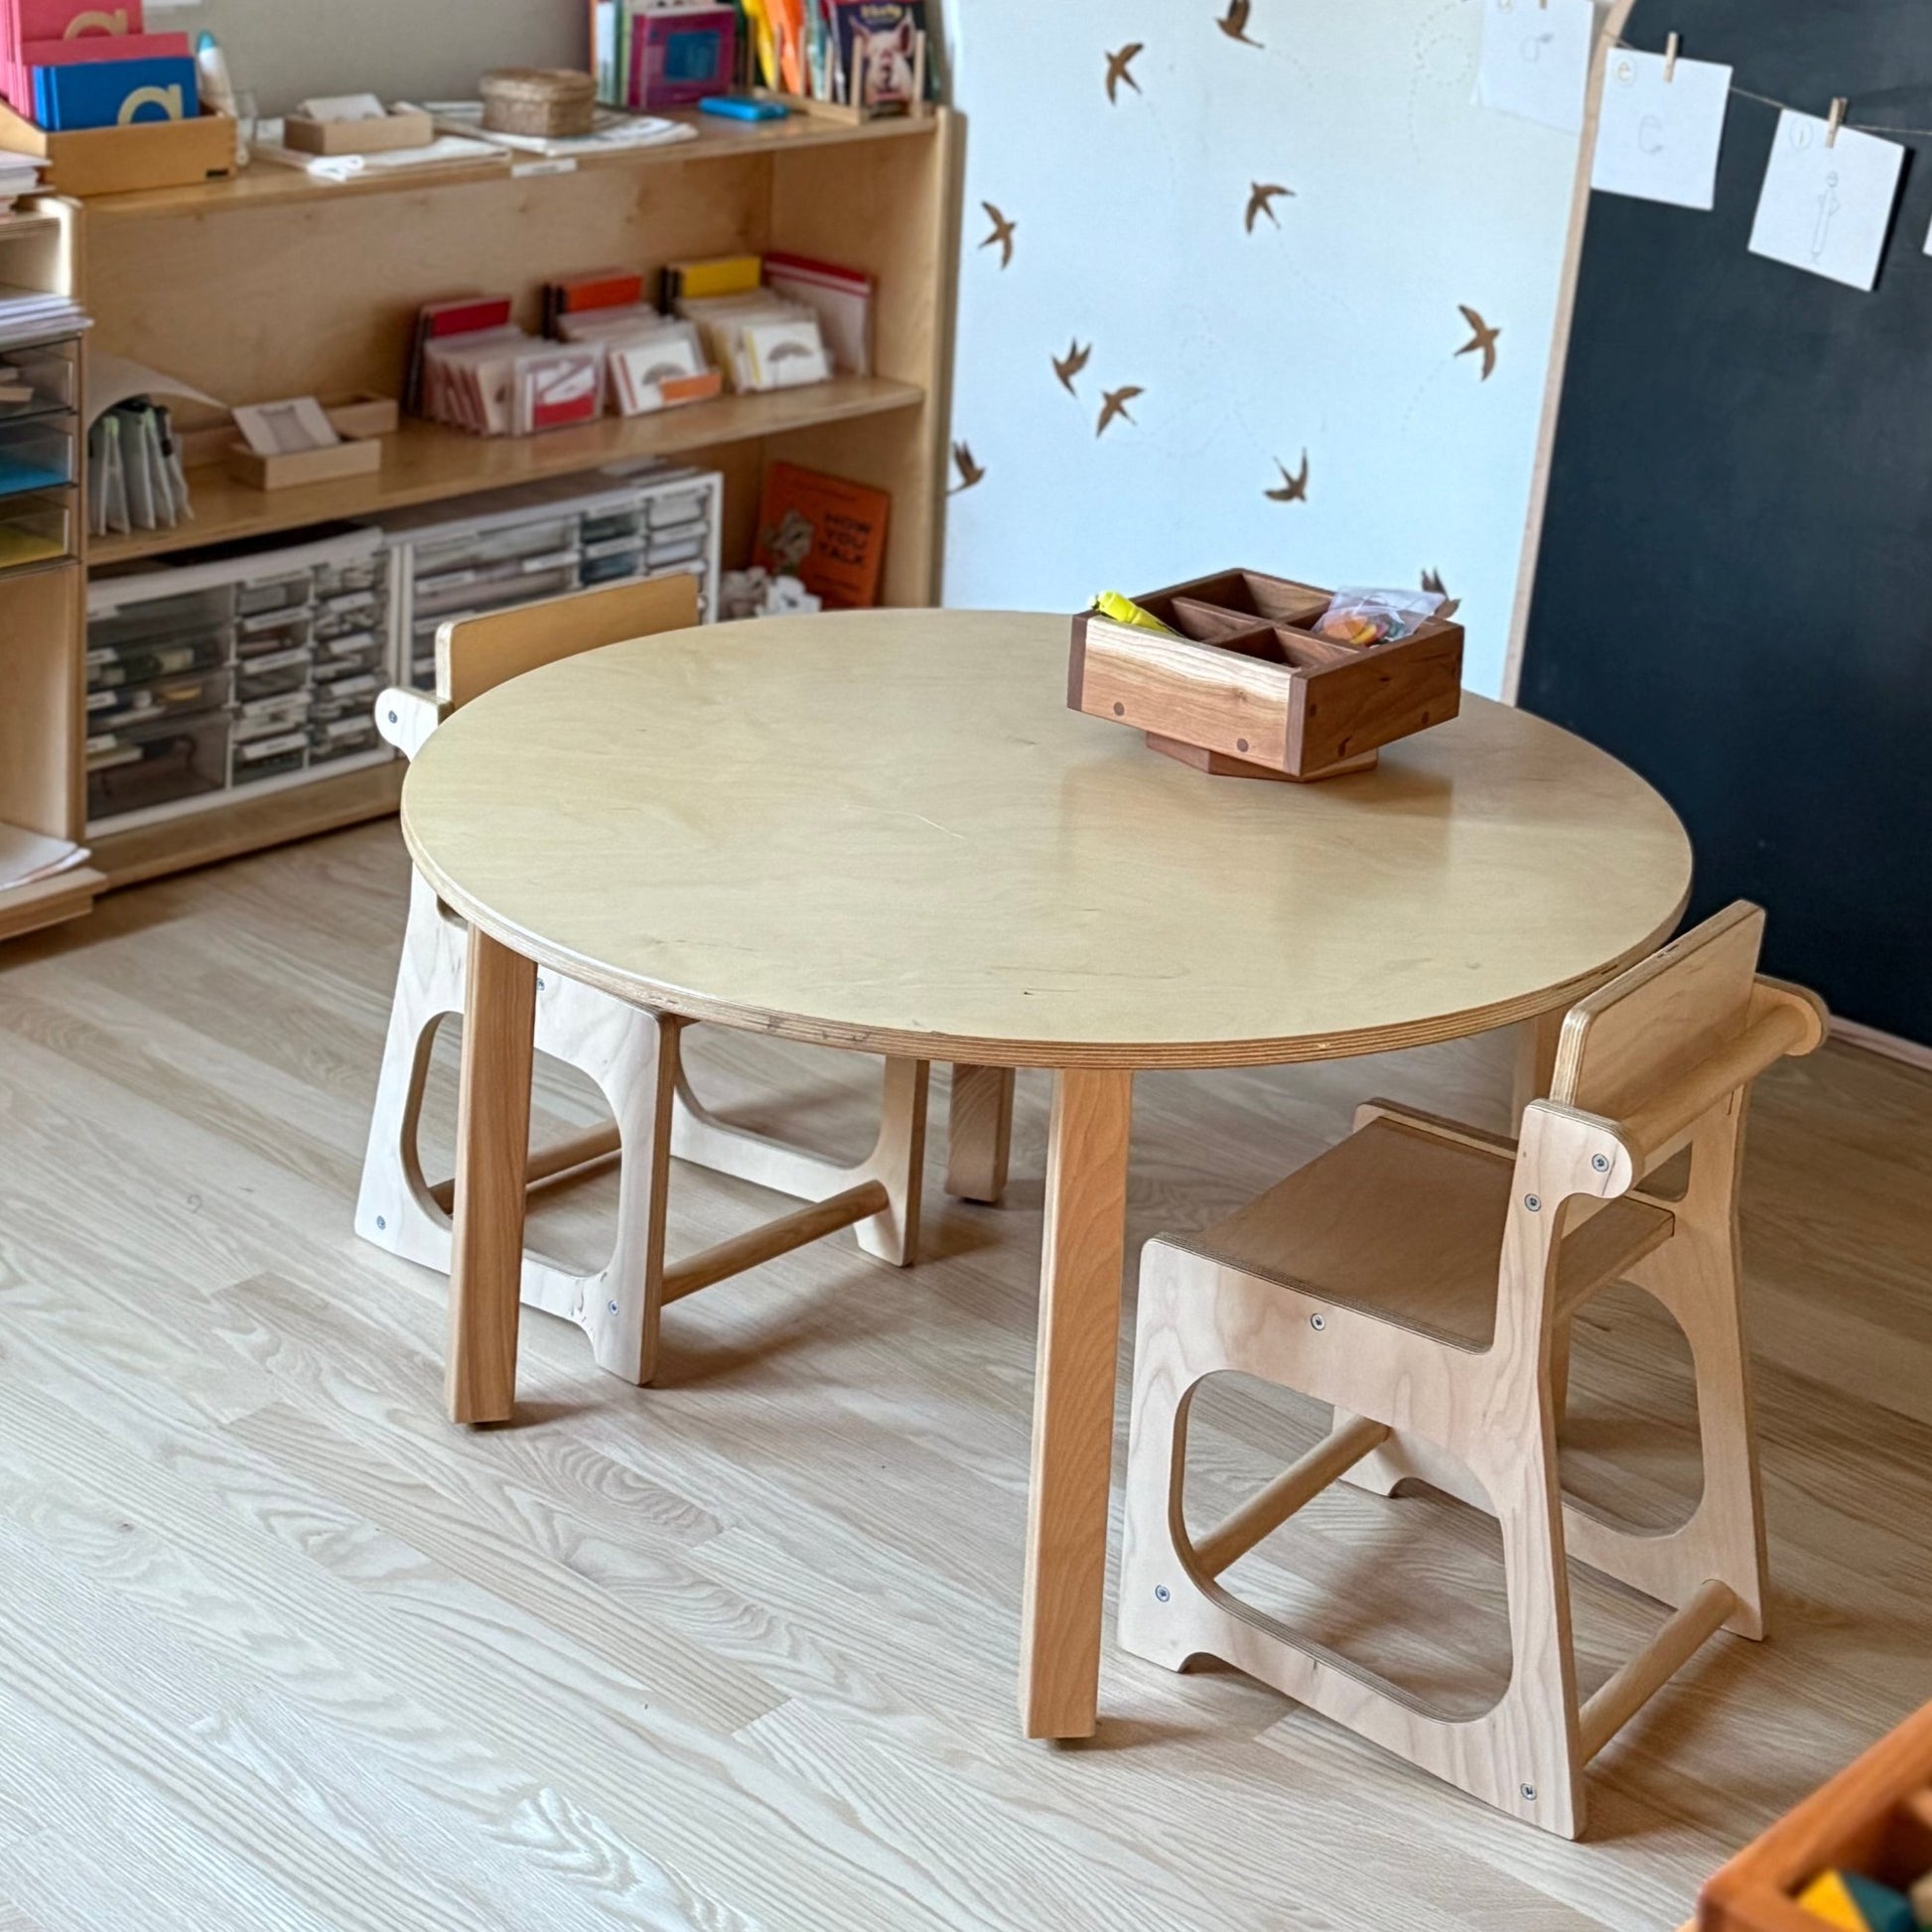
(1432, 581)
(1113, 402)
(1484, 338)
(1293, 489)
(1117, 70)
(1001, 234)
(1067, 366)
(1260, 201)
(969, 471)
(1234, 23)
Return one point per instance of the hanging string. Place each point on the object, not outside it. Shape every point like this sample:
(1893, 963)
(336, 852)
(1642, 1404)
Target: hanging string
(1791, 107)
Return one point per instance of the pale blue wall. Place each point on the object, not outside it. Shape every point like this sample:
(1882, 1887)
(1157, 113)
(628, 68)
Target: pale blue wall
(1338, 330)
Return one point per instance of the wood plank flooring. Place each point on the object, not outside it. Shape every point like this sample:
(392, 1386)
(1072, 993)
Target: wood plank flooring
(280, 1649)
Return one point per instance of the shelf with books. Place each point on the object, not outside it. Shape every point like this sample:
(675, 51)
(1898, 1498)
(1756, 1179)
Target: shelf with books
(265, 186)
(426, 462)
(274, 285)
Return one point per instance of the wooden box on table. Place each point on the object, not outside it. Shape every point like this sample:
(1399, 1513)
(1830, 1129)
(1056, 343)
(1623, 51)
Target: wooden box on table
(1246, 689)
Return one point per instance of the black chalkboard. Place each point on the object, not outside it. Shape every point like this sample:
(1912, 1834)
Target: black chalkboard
(1734, 591)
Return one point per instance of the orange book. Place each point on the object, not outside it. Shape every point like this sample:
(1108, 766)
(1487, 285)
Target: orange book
(827, 532)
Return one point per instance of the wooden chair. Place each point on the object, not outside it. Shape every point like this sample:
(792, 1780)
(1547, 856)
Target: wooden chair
(1414, 1277)
(633, 1056)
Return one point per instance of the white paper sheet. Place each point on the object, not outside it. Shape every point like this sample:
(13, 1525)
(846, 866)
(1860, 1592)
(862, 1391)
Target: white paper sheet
(26, 857)
(1534, 60)
(1659, 139)
(1826, 208)
(115, 379)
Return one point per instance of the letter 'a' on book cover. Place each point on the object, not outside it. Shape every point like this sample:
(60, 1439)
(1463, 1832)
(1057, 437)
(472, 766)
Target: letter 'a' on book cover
(827, 532)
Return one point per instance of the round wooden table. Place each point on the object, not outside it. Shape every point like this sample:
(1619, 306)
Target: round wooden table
(884, 831)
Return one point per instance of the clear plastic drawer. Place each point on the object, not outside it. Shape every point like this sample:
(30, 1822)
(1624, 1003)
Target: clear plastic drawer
(145, 766)
(35, 453)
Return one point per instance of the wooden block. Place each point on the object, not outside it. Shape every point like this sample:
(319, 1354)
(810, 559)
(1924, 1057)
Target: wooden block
(1217, 764)
(1883, 1909)
(1855, 1903)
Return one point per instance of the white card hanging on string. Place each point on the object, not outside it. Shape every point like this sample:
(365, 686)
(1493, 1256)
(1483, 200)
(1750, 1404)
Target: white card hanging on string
(1660, 127)
(1827, 199)
(1534, 60)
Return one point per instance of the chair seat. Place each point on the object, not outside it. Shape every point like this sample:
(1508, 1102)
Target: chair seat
(1408, 1225)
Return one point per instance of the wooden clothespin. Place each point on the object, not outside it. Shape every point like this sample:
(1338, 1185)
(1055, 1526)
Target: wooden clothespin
(1671, 43)
(1834, 120)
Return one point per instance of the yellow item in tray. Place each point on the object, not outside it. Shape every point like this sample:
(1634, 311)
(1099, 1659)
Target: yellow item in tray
(1122, 609)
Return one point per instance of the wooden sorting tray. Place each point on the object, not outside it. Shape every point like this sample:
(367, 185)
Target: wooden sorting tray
(1875, 1817)
(1246, 690)
(113, 160)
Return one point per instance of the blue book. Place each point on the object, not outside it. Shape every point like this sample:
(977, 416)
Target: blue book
(114, 93)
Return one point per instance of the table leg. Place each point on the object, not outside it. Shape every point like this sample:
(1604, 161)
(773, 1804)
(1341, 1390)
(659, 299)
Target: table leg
(1073, 1401)
(979, 1131)
(492, 1163)
(1536, 1062)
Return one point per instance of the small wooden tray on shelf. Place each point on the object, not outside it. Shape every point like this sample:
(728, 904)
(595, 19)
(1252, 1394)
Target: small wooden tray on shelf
(1247, 690)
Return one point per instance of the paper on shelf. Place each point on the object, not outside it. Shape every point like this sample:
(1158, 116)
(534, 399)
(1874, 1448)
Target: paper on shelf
(610, 132)
(446, 151)
(114, 379)
(27, 857)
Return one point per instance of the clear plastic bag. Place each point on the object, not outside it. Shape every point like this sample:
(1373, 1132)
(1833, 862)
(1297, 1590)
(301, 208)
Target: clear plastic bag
(1370, 617)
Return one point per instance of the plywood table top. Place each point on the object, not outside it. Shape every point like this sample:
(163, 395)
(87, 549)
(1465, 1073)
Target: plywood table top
(885, 830)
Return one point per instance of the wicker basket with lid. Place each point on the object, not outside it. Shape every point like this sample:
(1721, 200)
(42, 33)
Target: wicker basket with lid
(554, 101)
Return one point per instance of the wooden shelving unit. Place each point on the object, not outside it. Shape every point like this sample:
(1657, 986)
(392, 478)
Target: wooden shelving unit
(273, 284)
(426, 462)
(40, 709)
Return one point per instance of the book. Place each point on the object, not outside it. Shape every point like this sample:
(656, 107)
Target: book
(841, 298)
(877, 45)
(114, 93)
(826, 532)
(714, 275)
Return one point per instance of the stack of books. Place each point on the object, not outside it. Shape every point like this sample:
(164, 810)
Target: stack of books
(34, 316)
(19, 174)
(475, 369)
(652, 361)
(71, 63)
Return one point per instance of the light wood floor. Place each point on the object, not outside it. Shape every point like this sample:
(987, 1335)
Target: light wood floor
(279, 1649)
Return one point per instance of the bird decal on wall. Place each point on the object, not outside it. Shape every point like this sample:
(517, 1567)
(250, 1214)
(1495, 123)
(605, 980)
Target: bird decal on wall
(1117, 70)
(1483, 339)
(1432, 581)
(969, 471)
(1234, 23)
(1002, 234)
(1293, 489)
(1113, 402)
(1067, 366)
(1260, 201)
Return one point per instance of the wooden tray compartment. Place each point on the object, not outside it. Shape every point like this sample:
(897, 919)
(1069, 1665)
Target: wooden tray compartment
(1245, 691)
(1873, 1818)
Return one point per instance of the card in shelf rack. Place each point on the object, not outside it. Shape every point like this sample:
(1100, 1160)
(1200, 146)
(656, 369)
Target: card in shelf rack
(1239, 685)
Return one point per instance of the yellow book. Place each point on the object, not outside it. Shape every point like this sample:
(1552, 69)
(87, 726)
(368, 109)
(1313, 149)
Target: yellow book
(718, 275)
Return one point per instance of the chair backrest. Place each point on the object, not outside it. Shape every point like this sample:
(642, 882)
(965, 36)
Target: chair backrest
(476, 654)
(1632, 1039)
